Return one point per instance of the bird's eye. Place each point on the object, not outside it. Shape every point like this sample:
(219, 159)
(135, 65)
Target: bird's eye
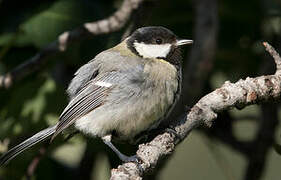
(158, 41)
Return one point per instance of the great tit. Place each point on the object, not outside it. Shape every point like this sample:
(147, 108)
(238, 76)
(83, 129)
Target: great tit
(122, 92)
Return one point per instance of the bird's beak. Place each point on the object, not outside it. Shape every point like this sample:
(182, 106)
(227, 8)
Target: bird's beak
(181, 42)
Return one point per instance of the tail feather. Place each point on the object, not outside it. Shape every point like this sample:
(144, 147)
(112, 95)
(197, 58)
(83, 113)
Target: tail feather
(39, 137)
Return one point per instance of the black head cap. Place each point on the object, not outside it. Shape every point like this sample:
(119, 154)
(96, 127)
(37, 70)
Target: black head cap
(153, 35)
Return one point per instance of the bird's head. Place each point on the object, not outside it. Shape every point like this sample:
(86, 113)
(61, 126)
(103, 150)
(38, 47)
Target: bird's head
(156, 42)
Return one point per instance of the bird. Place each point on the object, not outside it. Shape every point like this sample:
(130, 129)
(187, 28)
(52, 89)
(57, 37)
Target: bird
(122, 92)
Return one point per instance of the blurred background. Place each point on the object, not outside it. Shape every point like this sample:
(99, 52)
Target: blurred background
(228, 35)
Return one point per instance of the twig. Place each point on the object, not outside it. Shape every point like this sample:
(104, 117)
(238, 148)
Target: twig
(240, 94)
(34, 163)
(110, 24)
(275, 56)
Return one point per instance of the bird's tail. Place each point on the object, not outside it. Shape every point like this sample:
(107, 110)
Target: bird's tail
(40, 136)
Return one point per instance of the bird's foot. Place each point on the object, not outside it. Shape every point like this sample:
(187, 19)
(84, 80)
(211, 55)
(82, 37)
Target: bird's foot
(174, 132)
(134, 158)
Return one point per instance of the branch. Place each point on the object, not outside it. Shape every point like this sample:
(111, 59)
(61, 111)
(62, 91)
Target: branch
(110, 24)
(240, 94)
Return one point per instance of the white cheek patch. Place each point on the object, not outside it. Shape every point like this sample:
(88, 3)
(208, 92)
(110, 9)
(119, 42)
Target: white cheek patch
(152, 50)
(103, 84)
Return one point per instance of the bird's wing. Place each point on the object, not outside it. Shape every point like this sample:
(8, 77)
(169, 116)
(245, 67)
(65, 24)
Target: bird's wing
(82, 76)
(89, 97)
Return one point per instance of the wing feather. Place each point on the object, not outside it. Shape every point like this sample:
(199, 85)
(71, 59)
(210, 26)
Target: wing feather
(88, 98)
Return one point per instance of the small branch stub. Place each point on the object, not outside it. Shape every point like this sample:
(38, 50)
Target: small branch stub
(275, 56)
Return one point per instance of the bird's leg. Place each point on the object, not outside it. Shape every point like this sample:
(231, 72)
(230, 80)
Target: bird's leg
(107, 140)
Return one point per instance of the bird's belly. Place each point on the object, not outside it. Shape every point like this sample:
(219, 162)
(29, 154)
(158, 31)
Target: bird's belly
(127, 117)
